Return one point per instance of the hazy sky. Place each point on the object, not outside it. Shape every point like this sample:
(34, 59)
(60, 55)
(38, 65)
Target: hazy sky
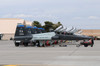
(78, 13)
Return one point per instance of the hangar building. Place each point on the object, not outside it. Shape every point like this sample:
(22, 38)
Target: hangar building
(91, 32)
(8, 26)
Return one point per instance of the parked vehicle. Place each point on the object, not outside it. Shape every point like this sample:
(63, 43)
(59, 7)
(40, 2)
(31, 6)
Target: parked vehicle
(1, 35)
(22, 35)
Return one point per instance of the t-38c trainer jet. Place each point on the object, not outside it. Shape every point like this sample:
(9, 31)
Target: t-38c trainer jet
(39, 37)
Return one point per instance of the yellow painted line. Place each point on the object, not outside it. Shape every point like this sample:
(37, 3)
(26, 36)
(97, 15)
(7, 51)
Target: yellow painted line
(10, 65)
(41, 65)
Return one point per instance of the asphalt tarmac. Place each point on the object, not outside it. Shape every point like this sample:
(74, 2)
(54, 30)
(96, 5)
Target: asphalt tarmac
(49, 56)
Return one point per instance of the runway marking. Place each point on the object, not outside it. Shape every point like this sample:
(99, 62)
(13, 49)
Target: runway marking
(73, 52)
(35, 65)
(10, 65)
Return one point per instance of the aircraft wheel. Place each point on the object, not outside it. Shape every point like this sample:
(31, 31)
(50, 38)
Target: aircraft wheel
(85, 45)
(25, 44)
(43, 45)
(16, 44)
(33, 44)
(38, 43)
(77, 45)
(59, 45)
(91, 45)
